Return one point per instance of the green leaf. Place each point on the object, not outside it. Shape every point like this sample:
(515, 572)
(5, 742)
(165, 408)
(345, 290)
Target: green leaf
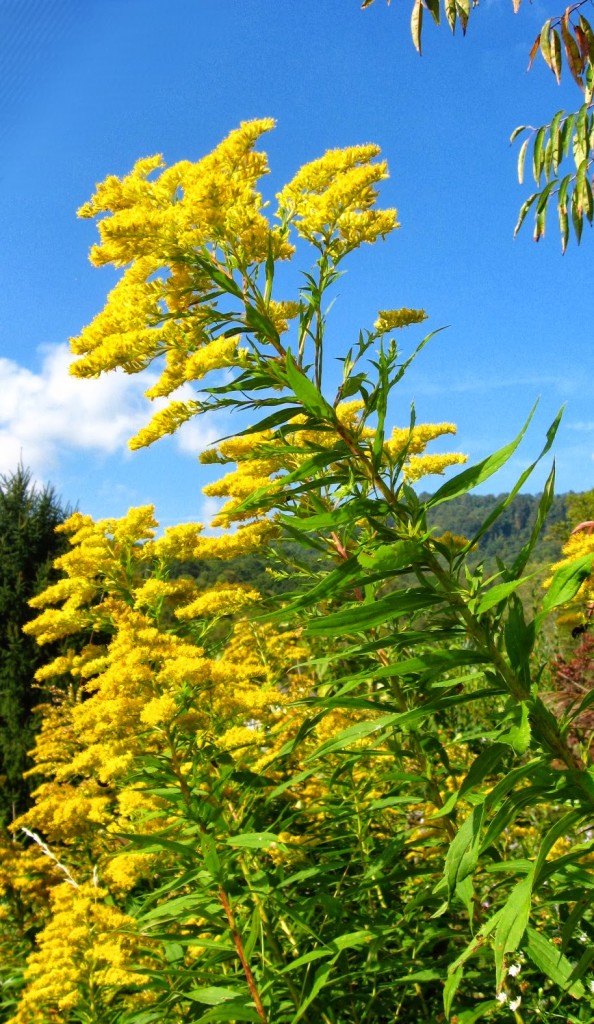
(332, 584)
(213, 995)
(483, 766)
(427, 975)
(560, 828)
(306, 391)
(545, 43)
(364, 616)
(225, 281)
(512, 925)
(483, 1011)
(508, 499)
(519, 735)
(230, 1011)
(576, 217)
(209, 851)
(537, 155)
(450, 988)
(320, 980)
(566, 583)
(544, 506)
(499, 593)
(255, 841)
(477, 941)
(388, 558)
(517, 131)
(353, 734)
(555, 55)
(475, 475)
(524, 209)
(551, 961)
(274, 420)
(434, 8)
(155, 842)
(519, 637)
(462, 855)
(259, 323)
(555, 136)
(451, 13)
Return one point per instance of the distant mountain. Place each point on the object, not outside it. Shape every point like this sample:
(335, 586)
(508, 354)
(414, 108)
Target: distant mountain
(464, 516)
(510, 532)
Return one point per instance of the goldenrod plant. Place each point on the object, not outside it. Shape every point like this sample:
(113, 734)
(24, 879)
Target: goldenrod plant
(352, 804)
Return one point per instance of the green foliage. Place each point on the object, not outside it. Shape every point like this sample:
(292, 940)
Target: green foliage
(568, 139)
(509, 532)
(396, 821)
(28, 546)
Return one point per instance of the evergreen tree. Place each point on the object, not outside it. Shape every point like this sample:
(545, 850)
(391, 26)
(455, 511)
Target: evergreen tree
(28, 546)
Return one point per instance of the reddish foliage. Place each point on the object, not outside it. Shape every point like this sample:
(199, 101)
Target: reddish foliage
(573, 679)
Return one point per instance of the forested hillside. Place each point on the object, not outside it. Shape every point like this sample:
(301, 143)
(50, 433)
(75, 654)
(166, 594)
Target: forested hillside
(510, 532)
(463, 517)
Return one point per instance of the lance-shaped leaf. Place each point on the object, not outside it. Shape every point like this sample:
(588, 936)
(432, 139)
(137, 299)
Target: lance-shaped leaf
(475, 475)
(555, 54)
(524, 209)
(512, 925)
(213, 994)
(416, 24)
(495, 595)
(462, 856)
(306, 391)
(365, 616)
(551, 961)
(522, 159)
(572, 52)
(566, 583)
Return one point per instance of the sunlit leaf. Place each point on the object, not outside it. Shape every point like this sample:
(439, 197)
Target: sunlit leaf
(512, 925)
(552, 962)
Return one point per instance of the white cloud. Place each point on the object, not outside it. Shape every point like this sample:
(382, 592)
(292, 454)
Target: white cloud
(45, 414)
(193, 437)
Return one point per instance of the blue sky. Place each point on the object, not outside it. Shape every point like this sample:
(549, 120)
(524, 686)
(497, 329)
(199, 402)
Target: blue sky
(87, 88)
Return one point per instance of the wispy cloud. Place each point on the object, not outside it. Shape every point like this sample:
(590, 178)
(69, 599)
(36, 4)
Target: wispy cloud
(562, 385)
(583, 426)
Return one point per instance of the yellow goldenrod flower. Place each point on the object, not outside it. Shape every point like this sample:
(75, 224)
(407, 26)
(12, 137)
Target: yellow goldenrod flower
(393, 319)
(428, 465)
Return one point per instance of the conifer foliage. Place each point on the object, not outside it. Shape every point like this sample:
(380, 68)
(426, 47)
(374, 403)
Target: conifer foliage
(28, 546)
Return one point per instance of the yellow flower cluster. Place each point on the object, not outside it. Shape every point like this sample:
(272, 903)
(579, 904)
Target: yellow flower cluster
(154, 226)
(166, 421)
(258, 466)
(146, 691)
(222, 599)
(86, 946)
(331, 199)
(184, 235)
(419, 466)
(413, 442)
(394, 319)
